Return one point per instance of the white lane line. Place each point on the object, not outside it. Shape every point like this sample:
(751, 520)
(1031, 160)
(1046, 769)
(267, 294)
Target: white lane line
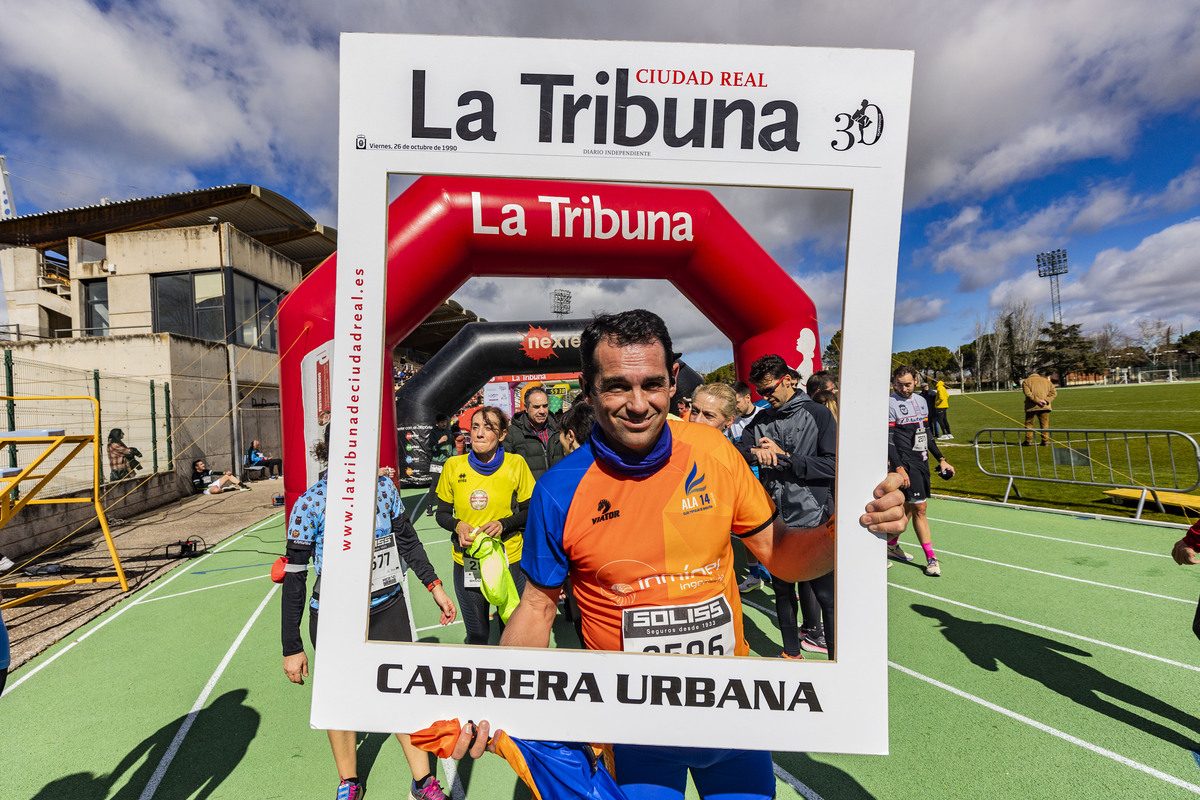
(1048, 629)
(757, 607)
(457, 792)
(133, 603)
(1050, 538)
(204, 589)
(1120, 759)
(791, 780)
(1189, 601)
(161, 770)
(435, 627)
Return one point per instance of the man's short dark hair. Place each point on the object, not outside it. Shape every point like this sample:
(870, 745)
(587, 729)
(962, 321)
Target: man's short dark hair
(441, 418)
(768, 366)
(904, 369)
(578, 419)
(535, 390)
(638, 326)
(742, 389)
(821, 379)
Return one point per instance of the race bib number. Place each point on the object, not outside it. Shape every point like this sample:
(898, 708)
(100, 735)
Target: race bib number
(472, 572)
(921, 441)
(702, 629)
(386, 569)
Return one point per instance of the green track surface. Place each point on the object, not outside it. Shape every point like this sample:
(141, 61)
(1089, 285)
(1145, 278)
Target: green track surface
(96, 715)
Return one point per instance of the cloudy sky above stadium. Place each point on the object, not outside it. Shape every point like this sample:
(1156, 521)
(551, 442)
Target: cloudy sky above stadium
(1035, 125)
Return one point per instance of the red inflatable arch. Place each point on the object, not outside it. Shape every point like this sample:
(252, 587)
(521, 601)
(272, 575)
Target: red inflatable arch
(444, 230)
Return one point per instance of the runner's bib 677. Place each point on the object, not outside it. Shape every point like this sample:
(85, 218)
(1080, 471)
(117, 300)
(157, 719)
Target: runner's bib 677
(704, 628)
(386, 569)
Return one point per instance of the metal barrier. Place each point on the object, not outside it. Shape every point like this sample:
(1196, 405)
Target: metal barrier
(1148, 461)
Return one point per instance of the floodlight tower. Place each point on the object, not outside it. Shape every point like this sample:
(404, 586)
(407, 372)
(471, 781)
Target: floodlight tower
(560, 302)
(1051, 265)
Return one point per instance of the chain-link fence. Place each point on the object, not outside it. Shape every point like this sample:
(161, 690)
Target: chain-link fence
(138, 409)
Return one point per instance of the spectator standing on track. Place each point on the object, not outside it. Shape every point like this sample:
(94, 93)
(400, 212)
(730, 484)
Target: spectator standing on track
(794, 444)
(636, 463)
(484, 493)
(575, 427)
(746, 411)
(440, 445)
(388, 619)
(756, 573)
(909, 445)
(941, 411)
(533, 434)
(1039, 394)
(1186, 553)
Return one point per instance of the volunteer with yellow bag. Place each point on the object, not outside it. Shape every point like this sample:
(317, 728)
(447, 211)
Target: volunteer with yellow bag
(483, 499)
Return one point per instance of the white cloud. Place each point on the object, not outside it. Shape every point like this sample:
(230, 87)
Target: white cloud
(916, 310)
(1158, 279)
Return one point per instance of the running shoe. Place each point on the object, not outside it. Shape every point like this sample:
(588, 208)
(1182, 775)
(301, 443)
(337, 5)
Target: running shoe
(897, 552)
(750, 584)
(933, 569)
(430, 791)
(243, 488)
(761, 571)
(350, 790)
(949, 436)
(797, 657)
(813, 643)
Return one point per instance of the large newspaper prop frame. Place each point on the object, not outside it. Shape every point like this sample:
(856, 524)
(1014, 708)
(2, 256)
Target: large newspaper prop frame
(430, 105)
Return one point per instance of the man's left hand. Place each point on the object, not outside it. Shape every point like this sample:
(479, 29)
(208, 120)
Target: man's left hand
(885, 514)
(1184, 555)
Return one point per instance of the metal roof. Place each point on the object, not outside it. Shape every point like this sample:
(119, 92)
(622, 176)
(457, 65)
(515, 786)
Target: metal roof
(260, 213)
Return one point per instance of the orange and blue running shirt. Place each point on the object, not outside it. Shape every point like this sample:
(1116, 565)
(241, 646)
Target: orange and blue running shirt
(479, 499)
(650, 558)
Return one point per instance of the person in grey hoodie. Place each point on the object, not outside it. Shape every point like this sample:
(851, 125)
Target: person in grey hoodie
(794, 446)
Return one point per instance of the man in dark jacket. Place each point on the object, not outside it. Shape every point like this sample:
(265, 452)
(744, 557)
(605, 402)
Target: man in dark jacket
(533, 434)
(794, 446)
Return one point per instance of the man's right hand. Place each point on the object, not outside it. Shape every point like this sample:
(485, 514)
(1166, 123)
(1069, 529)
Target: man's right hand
(482, 740)
(296, 667)
(905, 482)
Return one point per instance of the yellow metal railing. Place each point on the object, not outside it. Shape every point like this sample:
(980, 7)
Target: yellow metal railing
(59, 449)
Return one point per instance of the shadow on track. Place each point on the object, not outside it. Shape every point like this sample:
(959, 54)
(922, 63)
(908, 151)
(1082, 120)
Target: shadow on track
(988, 645)
(215, 745)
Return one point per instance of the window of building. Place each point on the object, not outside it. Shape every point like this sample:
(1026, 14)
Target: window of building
(254, 308)
(193, 304)
(95, 307)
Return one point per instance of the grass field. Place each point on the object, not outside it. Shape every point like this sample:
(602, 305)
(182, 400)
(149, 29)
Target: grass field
(1158, 406)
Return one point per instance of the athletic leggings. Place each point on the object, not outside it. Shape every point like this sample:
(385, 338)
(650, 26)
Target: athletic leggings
(475, 608)
(815, 603)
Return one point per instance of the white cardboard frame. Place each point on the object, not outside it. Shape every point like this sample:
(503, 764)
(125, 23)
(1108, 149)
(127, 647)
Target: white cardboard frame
(354, 686)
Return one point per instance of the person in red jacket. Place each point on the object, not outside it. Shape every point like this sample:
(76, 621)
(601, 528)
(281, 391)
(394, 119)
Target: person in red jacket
(1186, 553)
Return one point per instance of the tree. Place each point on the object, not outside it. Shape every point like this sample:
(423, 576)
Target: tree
(831, 358)
(1018, 327)
(723, 374)
(1066, 350)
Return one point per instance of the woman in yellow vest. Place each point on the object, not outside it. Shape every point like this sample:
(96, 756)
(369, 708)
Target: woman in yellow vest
(484, 493)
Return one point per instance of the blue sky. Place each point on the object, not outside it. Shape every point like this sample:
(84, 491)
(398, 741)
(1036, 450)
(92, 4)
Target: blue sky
(1036, 125)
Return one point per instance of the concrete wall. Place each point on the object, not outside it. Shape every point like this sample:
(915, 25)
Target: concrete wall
(39, 526)
(26, 301)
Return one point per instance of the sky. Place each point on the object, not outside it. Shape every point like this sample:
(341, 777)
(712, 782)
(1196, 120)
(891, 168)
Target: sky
(1036, 125)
